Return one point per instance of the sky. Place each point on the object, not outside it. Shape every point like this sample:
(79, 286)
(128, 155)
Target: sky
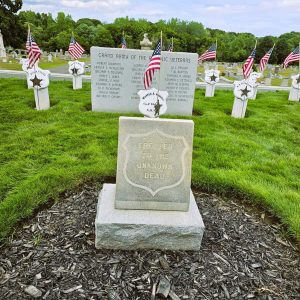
(260, 17)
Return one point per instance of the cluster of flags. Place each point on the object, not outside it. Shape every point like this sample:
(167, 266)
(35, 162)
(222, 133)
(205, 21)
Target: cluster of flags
(34, 51)
(76, 51)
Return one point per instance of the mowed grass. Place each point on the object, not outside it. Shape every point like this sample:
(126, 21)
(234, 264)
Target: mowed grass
(43, 153)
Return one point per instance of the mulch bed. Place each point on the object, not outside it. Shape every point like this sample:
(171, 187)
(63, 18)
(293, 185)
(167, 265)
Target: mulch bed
(242, 257)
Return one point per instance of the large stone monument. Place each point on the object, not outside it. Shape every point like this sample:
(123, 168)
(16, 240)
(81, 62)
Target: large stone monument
(117, 75)
(212, 76)
(146, 44)
(2, 49)
(151, 206)
(295, 88)
(242, 92)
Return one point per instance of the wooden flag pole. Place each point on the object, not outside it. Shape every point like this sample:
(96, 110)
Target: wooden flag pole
(172, 45)
(299, 60)
(161, 45)
(216, 54)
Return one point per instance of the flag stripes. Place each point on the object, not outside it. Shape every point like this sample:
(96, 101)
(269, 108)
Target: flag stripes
(75, 50)
(153, 65)
(247, 67)
(33, 50)
(211, 53)
(293, 56)
(123, 43)
(265, 59)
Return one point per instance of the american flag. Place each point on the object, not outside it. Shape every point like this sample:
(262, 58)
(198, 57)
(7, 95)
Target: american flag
(247, 67)
(211, 53)
(170, 48)
(75, 49)
(293, 56)
(153, 65)
(33, 50)
(263, 62)
(123, 43)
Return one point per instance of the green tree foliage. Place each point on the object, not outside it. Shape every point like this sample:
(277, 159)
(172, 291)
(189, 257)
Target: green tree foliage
(10, 25)
(188, 36)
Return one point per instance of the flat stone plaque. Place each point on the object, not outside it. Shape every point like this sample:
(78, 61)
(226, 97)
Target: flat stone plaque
(117, 76)
(154, 164)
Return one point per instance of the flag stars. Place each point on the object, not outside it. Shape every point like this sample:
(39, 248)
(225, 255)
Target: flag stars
(36, 81)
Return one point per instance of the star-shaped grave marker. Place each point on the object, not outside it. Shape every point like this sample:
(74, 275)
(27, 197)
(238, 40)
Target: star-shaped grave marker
(74, 71)
(213, 77)
(245, 92)
(36, 81)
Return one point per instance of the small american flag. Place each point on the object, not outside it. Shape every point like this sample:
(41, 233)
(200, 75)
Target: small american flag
(293, 56)
(75, 49)
(211, 53)
(33, 50)
(153, 65)
(123, 43)
(265, 59)
(247, 67)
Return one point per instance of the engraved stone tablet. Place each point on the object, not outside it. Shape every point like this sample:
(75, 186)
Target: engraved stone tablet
(154, 164)
(117, 76)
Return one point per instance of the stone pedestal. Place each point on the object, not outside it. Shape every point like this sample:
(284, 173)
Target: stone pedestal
(146, 44)
(210, 90)
(41, 97)
(77, 82)
(294, 94)
(151, 206)
(146, 229)
(239, 108)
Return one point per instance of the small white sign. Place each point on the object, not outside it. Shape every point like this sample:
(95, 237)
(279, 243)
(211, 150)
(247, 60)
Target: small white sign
(243, 90)
(153, 102)
(38, 78)
(76, 67)
(212, 76)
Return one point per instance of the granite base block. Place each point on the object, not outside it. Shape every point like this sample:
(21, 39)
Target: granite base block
(146, 229)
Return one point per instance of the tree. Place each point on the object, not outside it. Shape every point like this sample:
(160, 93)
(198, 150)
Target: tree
(10, 26)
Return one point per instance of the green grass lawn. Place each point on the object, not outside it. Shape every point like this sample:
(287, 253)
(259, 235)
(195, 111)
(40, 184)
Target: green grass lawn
(43, 153)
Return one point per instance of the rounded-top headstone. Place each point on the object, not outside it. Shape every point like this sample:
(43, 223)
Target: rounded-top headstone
(296, 81)
(243, 90)
(212, 76)
(76, 67)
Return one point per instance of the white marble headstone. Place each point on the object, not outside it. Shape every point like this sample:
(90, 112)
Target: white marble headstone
(117, 76)
(212, 76)
(252, 80)
(295, 88)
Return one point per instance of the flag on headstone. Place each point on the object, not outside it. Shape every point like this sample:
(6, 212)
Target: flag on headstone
(247, 67)
(293, 56)
(75, 49)
(211, 53)
(123, 43)
(33, 50)
(265, 59)
(153, 65)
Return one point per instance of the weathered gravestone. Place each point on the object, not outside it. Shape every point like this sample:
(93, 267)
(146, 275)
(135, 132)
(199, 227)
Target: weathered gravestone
(117, 76)
(295, 88)
(211, 78)
(151, 206)
(242, 92)
(39, 81)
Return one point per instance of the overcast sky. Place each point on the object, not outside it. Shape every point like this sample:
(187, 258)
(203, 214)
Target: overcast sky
(260, 17)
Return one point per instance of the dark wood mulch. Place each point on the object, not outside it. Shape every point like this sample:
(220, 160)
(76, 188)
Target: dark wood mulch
(242, 257)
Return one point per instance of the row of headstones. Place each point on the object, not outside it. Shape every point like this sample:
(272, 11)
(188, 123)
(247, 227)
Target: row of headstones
(38, 79)
(245, 89)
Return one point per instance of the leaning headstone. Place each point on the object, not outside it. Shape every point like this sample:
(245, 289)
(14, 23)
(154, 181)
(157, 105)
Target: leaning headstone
(211, 78)
(242, 92)
(39, 81)
(76, 68)
(117, 76)
(151, 206)
(146, 44)
(2, 48)
(295, 88)
(252, 80)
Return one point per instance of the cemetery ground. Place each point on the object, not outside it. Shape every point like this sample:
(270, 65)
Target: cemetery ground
(52, 166)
